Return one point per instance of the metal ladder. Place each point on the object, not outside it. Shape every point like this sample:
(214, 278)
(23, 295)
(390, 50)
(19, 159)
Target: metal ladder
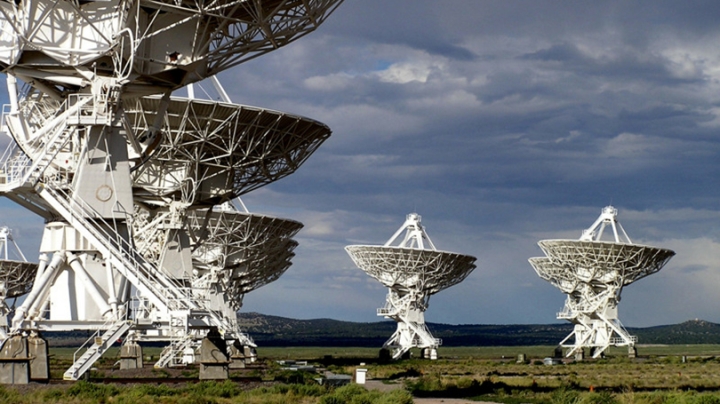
(164, 292)
(169, 355)
(22, 170)
(96, 350)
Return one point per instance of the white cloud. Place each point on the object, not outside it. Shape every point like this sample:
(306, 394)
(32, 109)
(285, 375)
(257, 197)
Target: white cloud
(402, 73)
(569, 138)
(329, 83)
(630, 145)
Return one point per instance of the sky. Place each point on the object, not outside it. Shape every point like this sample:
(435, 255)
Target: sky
(502, 123)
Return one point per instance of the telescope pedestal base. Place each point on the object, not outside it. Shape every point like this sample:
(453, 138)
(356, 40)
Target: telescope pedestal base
(40, 361)
(214, 363)
(131, 356)
(14, 361)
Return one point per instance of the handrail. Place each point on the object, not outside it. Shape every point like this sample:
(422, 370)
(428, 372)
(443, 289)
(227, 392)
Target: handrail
(622, 340)
(120, 248)
(171, 351)
(106, 326)
(14, 165)
(169, 292)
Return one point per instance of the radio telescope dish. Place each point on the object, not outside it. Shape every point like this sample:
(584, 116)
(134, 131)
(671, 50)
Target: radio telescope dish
(245, 251)
(226, 149)
(412, 272)
(16, 277)
(592, 273)
(154, 46)
(84, 163)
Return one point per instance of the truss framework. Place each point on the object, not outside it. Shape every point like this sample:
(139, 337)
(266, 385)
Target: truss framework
(412, 274)
(252, 250)
(206, 152)
(81, 157)
(171, 215)
(148, 45)
(212, 151)
(592, 273)
(16, 277)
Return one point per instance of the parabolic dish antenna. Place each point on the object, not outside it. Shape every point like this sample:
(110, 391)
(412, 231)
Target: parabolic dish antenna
(592, 273)
(84, 163)
(16, 277)
(149, 46)
(245, 250)
(412, 272)
(211, 151)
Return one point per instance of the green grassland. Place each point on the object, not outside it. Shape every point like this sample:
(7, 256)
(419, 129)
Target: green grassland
(684, 374)
(484, 352)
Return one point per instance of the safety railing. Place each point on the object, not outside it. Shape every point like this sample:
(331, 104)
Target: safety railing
(623, 341)
(14, 166)
(103, 328)
(168, 291)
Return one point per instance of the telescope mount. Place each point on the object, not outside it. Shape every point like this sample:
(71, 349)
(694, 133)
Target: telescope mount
(592, 273)
(412, 270)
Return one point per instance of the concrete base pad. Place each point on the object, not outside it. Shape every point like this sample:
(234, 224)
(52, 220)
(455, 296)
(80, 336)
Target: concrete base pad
(214, 361)
(40, 360)
(14, 361)
(131, 356)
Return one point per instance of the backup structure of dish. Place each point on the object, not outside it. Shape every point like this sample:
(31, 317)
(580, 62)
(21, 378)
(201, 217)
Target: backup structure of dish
(16, 277)
(99, 139)
(412, 270)
(592, 273)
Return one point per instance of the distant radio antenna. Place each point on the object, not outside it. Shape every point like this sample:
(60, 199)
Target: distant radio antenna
(592, 273)
(413, 270)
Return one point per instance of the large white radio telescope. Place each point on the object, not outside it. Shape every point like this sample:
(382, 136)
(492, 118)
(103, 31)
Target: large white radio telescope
(120, 169)
(412, 270)
(592, 273)
(148, 47)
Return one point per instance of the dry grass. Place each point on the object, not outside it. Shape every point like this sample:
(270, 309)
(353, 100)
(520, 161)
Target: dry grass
(659, 376)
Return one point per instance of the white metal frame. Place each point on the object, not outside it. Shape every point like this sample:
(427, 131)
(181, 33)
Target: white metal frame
(412, 272)
(91, 137)
(592, 273)
(16, 276)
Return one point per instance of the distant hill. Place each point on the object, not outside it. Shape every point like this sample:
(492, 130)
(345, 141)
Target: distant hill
(278, 331)
(689, 332)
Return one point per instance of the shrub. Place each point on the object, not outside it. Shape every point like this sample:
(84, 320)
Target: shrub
(8, 396)
(311, 390)
(356, 394)
(96, 392)
(347, 392)
(565, 396)
(707, 399)
(159, 390)
(410, 372)
(225, 389)
(395, 397)
(295, 376)
(603, 397)
(196, 398)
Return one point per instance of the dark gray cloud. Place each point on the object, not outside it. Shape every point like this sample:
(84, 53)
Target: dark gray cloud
(551, 111)
(502, 123)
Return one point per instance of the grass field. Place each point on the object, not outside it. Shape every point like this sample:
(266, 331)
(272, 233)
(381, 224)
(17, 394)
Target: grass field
(493, 352)
(662, 374)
